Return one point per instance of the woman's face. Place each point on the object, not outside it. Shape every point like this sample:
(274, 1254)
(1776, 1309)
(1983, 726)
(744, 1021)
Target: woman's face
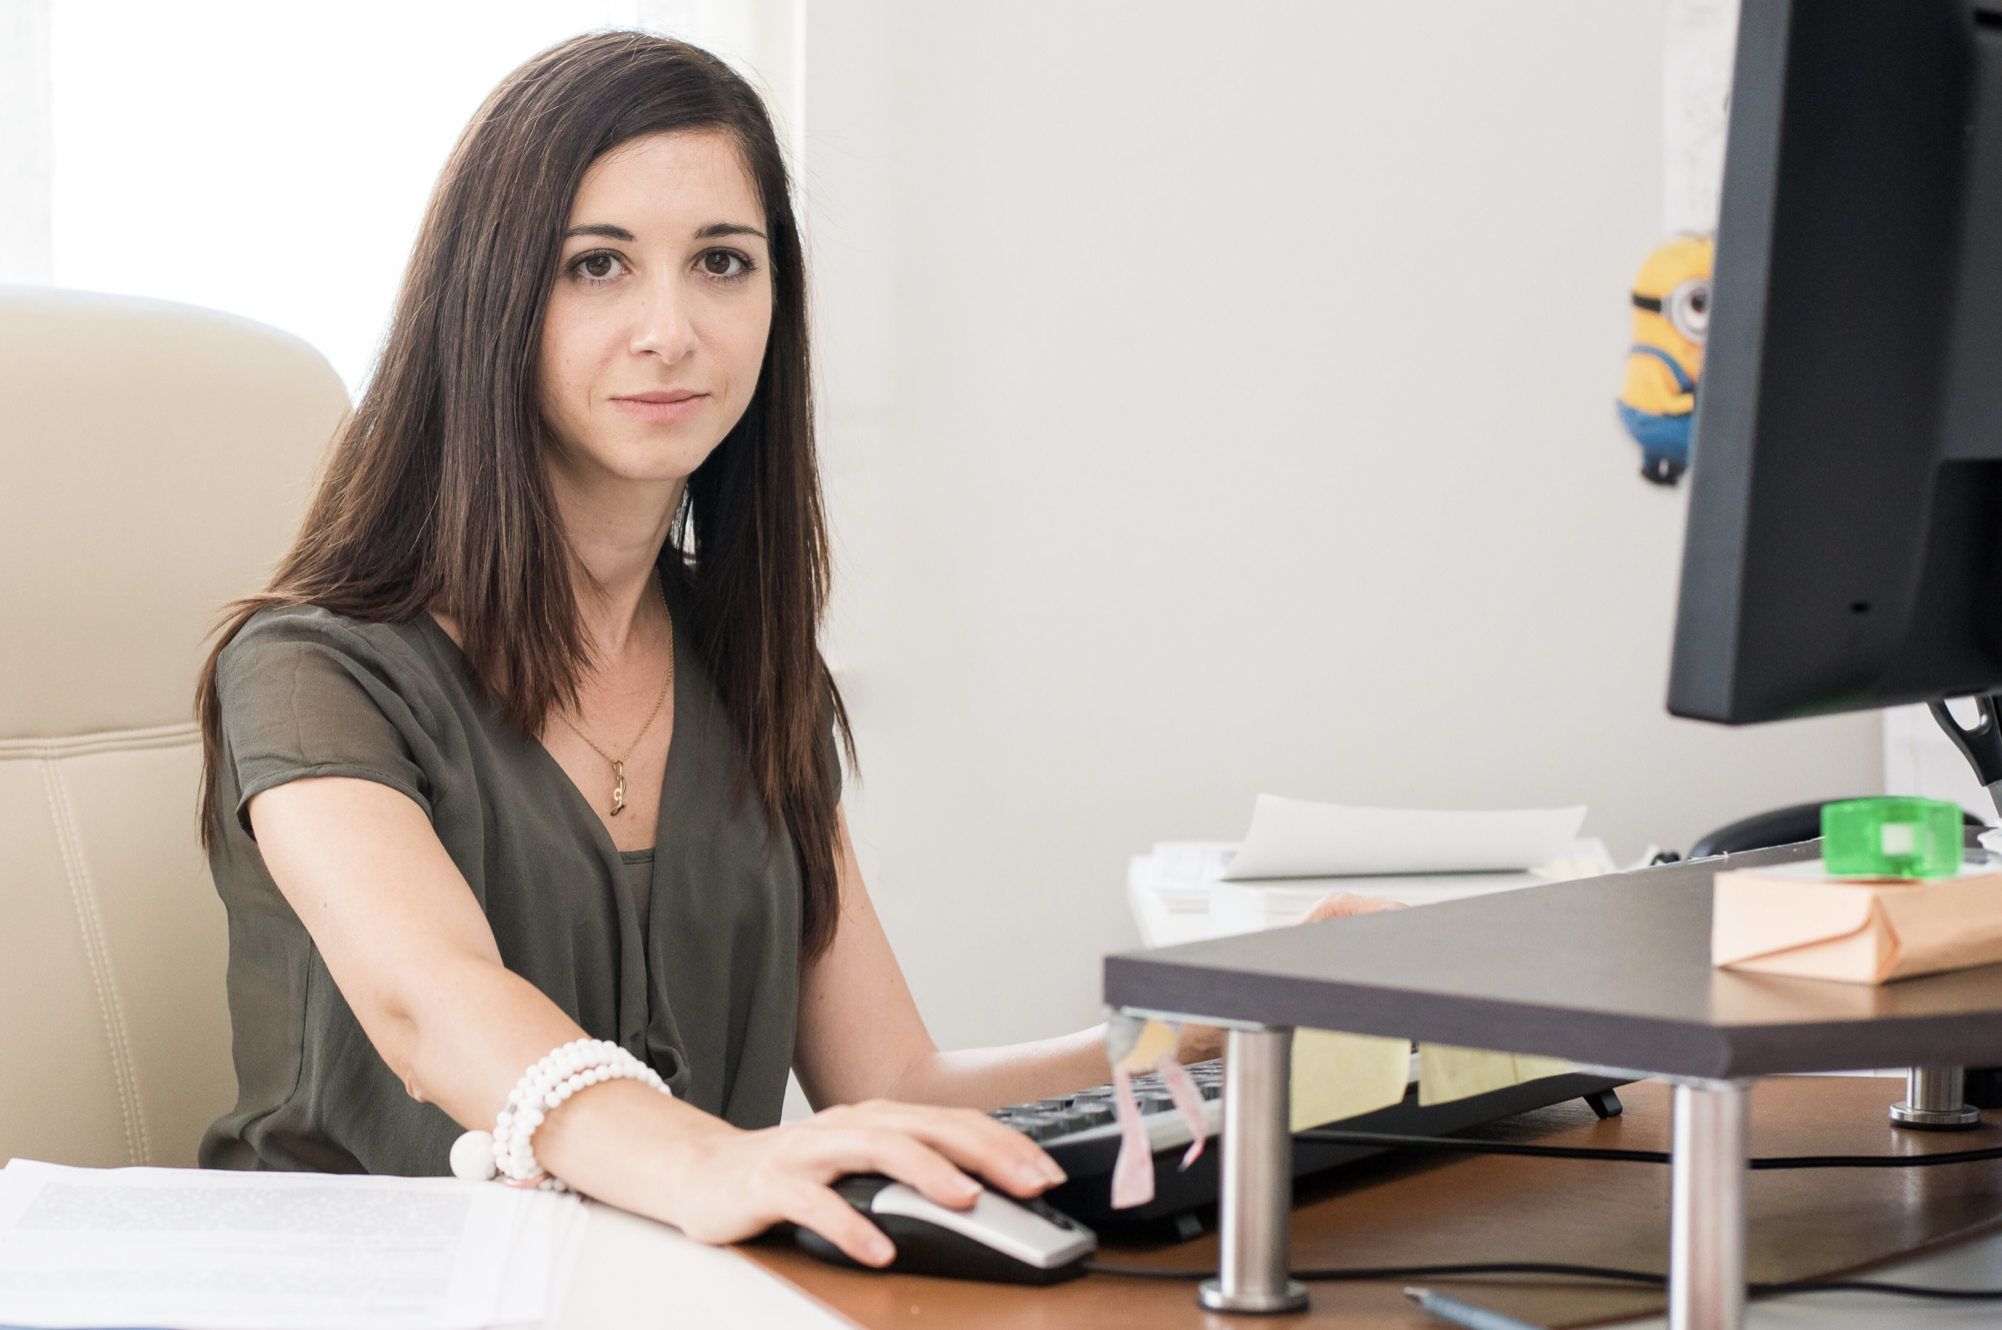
(657, 322)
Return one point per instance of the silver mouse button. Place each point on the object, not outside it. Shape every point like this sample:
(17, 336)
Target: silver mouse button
(1007, 1226)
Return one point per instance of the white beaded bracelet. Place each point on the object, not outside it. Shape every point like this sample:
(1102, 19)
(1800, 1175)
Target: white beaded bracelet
(507, 1151)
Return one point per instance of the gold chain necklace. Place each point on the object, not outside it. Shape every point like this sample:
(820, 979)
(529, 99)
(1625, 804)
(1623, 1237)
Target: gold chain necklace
(619, 762)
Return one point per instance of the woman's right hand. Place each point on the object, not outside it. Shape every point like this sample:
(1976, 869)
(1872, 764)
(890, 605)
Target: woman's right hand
(735, 1184)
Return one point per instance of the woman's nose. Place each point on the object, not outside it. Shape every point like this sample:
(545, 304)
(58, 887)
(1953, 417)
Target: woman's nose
(662, 327)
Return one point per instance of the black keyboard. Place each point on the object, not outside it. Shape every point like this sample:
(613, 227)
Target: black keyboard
(1081, 1132)
(1091, 1114)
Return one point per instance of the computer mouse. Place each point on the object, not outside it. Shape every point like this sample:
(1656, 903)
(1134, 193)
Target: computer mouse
(998, 1239)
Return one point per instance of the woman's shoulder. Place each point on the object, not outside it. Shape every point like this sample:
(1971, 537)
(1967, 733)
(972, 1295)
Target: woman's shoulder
(301, 691)
(280, 634)
(306, 623)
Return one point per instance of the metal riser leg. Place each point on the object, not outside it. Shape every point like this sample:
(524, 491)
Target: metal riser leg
(1706, 1257)
(1255, 1194)
(1934, 1101)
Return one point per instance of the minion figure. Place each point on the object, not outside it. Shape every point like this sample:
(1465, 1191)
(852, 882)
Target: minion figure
(1671, 319)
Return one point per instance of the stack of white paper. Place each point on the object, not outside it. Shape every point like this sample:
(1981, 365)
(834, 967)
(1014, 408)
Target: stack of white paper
(186, 1249)
(1296, 852)
(1181, 873)
(1299, 838)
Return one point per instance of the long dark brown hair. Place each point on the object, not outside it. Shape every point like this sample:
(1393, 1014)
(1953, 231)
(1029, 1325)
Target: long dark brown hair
(435, 491)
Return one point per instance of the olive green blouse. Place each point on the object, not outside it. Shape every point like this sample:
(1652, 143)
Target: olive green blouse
(688, 956)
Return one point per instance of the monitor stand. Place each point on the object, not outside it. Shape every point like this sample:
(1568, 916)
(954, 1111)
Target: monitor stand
(1937, 1098)
(1980, 743)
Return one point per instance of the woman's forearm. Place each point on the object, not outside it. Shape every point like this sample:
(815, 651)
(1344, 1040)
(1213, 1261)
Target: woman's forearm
(992, 1077)
(411, 952)
(474, 1033)
(1020, 1073)
(463, 1039)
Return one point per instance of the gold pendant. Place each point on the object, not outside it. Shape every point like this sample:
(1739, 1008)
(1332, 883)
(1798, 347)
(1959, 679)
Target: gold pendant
(619, 790)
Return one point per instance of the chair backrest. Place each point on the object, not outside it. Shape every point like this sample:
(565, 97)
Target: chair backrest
(154, 462)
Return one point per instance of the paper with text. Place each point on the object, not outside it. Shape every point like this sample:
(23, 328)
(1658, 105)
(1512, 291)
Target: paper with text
(192, 1249)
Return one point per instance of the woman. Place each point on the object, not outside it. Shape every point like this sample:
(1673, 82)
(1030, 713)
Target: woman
(529, 739)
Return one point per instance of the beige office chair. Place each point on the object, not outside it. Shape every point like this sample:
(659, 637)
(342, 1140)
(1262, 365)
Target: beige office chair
(154, 461)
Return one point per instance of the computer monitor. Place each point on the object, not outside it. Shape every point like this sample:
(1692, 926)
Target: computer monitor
(1844, 544)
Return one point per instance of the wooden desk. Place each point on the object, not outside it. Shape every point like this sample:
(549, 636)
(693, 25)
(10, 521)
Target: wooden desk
(1445, 1209)
(1610, 971)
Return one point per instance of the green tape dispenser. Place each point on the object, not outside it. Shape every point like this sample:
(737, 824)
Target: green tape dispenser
(1891, 837)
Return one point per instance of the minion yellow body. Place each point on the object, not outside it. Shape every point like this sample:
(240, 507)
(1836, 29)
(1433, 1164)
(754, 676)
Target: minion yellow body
(1671, 299)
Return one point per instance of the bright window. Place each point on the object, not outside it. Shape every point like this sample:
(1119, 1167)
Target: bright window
(273, 160)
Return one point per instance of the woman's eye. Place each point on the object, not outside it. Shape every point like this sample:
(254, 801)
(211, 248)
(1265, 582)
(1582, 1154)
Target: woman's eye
(597, 267)
(724, 263)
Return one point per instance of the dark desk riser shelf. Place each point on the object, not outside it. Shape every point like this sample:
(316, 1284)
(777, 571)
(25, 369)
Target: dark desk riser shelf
(1613, 971)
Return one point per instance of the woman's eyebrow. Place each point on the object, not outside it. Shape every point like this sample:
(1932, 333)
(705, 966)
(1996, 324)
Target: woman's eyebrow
(709, 232)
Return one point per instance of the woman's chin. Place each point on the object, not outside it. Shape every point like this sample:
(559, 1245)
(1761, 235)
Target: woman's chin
(644, 461)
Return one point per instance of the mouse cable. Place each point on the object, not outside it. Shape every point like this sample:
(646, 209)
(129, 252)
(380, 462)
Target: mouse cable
(1361, 1274)
(1456, 1145)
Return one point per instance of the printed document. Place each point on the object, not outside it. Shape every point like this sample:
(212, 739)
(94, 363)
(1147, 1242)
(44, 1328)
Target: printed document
(193, 1249)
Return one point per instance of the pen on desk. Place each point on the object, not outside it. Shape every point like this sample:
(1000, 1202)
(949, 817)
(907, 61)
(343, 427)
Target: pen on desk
(1463, 1313)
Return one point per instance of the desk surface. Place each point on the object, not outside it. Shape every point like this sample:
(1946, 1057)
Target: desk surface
(634, 1273)
(1612, 971)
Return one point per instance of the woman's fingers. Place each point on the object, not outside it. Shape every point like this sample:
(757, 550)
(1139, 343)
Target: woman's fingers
(978, 1144)
(1340, 904)
(826, 1213)
(908, 1159)
(790, 1170)
(869, 1146)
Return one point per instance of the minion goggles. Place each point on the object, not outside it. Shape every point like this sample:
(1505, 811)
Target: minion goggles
(1687, 308)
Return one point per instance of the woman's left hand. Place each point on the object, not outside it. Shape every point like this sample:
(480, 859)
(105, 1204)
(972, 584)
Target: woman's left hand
(1199, 1043)
(1203, 1042)
(1341, 904)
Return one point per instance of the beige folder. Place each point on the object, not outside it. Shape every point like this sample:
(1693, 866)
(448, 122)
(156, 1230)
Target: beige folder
(1794, 919)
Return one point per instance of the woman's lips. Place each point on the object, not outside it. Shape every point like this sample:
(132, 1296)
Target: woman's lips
(660, 408)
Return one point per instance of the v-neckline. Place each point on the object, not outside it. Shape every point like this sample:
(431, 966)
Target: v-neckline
(578, 799)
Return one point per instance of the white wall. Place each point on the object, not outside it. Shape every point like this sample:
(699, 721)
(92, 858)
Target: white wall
(1919, 759)
(24, 141)
(1219, 399)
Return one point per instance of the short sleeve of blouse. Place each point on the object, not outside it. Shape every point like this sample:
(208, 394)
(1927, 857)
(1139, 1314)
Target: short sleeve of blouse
(303, 694)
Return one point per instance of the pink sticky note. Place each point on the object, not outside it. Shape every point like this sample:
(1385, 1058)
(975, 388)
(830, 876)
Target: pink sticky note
(1188, 1101)
(1133, 1172)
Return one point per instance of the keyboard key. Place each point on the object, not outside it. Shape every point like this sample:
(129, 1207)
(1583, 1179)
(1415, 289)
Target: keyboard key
(1083, 1117)
(1036, 1126)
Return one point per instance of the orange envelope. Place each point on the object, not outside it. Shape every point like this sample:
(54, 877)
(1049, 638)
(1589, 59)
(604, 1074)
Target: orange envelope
(1795, 919)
